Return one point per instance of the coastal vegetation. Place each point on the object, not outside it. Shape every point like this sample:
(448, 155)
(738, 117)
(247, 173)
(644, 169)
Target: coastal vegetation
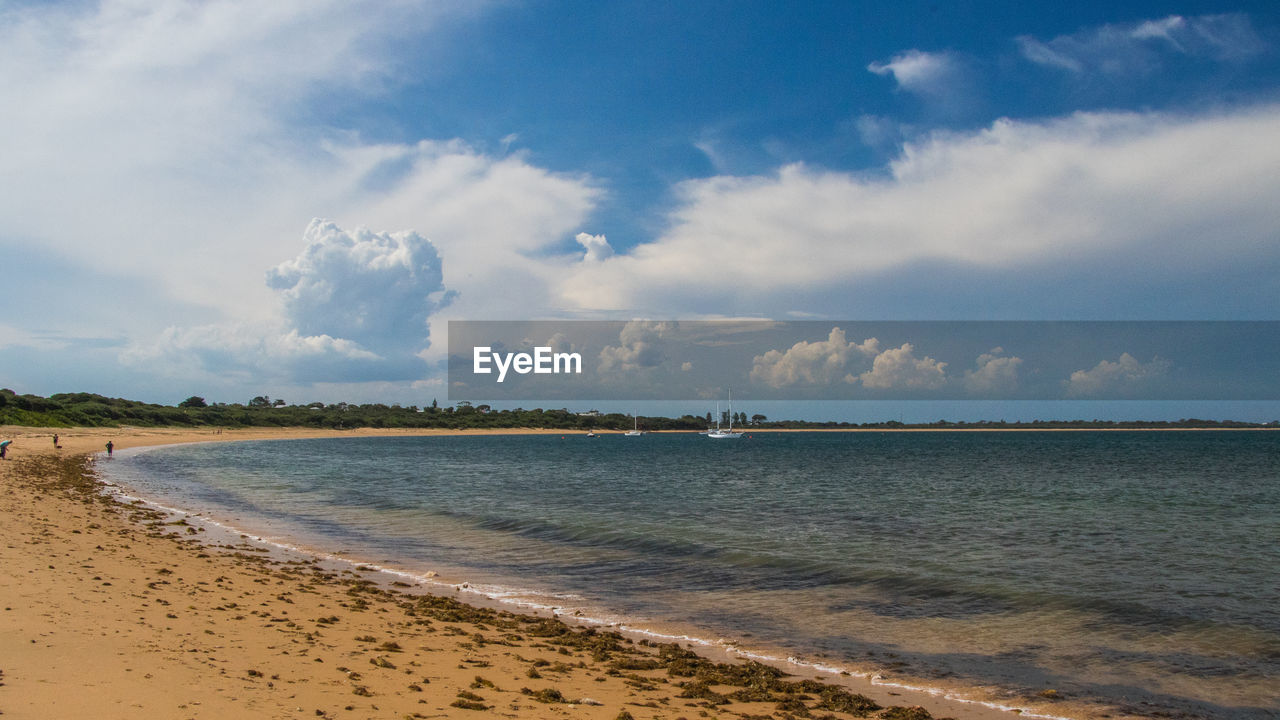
(92, 410)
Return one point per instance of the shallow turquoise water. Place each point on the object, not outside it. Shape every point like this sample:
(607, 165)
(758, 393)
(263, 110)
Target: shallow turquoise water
(1136, 568)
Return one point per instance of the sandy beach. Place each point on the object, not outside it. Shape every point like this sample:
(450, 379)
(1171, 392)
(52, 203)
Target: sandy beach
(114, 610)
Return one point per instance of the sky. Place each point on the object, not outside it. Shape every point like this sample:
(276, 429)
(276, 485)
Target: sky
(816, 360)
(293, 199)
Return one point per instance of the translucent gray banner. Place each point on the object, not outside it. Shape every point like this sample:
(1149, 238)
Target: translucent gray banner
(858, 360)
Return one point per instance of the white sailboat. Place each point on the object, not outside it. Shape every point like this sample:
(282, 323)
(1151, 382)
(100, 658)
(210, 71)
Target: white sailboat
(718, 433)
(635, 431)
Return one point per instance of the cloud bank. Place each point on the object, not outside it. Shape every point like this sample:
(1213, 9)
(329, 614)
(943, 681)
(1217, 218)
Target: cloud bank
(824, 362)
(1120, 378)
(838, 360)
(1084, 191)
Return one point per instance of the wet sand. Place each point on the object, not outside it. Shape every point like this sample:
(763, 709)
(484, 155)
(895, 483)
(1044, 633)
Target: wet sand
(114, 610)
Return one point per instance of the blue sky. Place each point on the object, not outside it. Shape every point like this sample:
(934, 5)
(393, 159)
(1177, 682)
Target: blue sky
(230, 199)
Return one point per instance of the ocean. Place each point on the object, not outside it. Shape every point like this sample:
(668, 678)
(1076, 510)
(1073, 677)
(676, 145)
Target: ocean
(1135, 571)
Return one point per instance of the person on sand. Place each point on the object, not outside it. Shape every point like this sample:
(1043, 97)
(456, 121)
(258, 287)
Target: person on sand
(55, 439)
(4, 448)
(110, 446)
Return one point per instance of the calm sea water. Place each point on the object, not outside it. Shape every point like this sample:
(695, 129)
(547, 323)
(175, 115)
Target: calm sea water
(1135, 568)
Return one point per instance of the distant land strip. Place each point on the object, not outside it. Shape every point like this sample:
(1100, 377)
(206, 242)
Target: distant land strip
(92, 410)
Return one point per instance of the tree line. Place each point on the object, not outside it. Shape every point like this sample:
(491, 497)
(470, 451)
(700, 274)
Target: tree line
(92, 410)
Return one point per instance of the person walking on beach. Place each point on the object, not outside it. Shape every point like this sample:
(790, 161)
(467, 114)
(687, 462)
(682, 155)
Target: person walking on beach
(4, 448)
(109, 448)
(55, 441)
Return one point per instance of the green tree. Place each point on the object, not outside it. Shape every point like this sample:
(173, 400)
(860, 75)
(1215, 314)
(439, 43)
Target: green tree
(758, 418)
(195, 401)
(260, 401)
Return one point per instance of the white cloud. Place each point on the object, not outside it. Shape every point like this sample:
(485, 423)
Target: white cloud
(899, 369)
(1123, 377)
(641, 345)
(356, 310)
(1083, 190)
(376, 289)
(264, 353)
(11, 337)
(1140, 48)
(918, 71)
(559, 343)
(597, 247)
(838, 360)
(187, 143)
(941, 79)
(824, 362)
(996, 374)
(136, 114)
(1044, 54)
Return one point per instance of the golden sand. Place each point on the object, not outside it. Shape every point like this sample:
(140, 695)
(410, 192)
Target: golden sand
(113, 610)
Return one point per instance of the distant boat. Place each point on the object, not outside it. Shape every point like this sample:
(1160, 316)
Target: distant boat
(719, 434)
(635, 432)
(592, 433)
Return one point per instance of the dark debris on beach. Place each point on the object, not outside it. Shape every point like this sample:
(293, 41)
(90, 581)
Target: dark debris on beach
(750, 688)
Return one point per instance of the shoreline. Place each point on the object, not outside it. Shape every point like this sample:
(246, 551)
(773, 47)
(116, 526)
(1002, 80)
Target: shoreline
(79, 442)
(81, 438)
(869, 680)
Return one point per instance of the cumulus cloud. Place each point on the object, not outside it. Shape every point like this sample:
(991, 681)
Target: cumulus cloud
(839, 360)
(1081, 190)
(188, 138)
(376, 289)
(356, 309)
(899, 369)
(597, 247)
(824, 362)
(137, 114)
(642, 345)
(996, 374)
(559, 343)
(1141, 47)
(1125, 376)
